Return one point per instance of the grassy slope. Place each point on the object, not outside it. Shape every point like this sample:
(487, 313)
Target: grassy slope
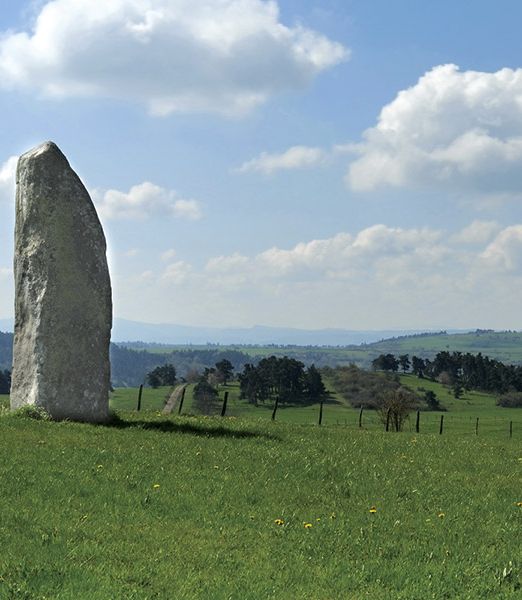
(504, 346)
(81, 516)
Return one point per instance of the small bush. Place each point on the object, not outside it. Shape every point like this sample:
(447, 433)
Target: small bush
(396, 407)
(510, 400)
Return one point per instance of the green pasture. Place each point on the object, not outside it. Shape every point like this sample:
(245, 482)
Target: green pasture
(204, 507)
(503, 346)
(459, 417)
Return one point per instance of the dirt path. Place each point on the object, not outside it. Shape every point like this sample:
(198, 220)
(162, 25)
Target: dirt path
(174, 399)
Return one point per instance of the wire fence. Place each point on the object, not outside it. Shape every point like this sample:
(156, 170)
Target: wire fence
(420, 422)
(436, 423)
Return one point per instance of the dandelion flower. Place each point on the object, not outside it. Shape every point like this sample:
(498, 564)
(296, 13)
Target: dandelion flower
(519, 504)
(307, 525)
(441, 515)
(155, 486)
(373, 509)
(278, 521)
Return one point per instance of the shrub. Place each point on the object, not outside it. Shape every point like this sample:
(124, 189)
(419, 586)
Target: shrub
(362, 388)
(510, 400)
(398, 405)
(205, 397)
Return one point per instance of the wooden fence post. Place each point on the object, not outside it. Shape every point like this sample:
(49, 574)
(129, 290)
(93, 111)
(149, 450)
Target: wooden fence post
(139, 397)
(360, 417)
(417, 422)
(181, 401)
(275, 408)
(321, 413)
(224, 407)
(476, 426)
(511, 429)
(441, 424)
(388, 420)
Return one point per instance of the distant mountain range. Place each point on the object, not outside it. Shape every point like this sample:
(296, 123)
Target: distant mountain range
(166, 333)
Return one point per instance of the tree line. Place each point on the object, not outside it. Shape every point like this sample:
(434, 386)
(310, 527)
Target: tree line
(5, 382)
(461, 371)
(283, 379)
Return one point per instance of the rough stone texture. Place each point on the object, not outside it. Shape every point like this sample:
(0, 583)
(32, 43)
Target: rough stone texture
(63, 306)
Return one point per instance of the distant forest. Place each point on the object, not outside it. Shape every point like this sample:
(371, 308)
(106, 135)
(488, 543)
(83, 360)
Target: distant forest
(130, 367)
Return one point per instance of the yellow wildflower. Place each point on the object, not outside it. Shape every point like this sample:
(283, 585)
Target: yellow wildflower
(519, 504)
(373, 509)
(307, 525)
(279, 521)
(441, 515)
(155, 486)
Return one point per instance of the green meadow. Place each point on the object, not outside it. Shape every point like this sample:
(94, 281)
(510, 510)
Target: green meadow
(242, 507)
(460, 416)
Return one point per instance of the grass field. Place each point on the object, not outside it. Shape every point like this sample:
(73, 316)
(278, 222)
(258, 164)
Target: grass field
(460, 417)
(503, 346)
(190, 507)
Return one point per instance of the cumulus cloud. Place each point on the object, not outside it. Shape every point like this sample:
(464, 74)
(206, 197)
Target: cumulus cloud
(478, 232)
(176, 272)
(224, 56)
(8, 179)
(505, 251)
(143, 201)
(453, 129)
(5, 273)
(168, 254)
(379, 277)
(296, 157)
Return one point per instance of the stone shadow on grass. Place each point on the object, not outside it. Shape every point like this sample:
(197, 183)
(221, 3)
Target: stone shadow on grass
(167, 426)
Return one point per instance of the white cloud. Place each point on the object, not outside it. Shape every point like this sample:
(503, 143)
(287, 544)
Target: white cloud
(5, 273)
(224, 56)
(379, 277)
(452, 129)
(8, 179)
(168, 254)
(296, 157)
(226, 264)
(478, 232)
(176, 272)
(143, 201)
(187, 209)
(505, 251)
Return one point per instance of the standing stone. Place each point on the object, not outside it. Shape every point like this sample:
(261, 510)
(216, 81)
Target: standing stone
(63, 306)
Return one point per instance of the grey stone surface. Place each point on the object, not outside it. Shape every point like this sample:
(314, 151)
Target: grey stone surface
(63, 306)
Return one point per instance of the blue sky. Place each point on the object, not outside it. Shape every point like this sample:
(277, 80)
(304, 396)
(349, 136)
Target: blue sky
(311, 164)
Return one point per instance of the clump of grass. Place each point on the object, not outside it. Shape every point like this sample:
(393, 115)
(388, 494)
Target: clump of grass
(30, 411)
